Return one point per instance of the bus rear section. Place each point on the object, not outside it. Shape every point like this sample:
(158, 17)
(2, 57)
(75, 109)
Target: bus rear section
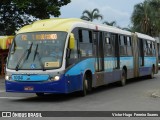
(145, 54)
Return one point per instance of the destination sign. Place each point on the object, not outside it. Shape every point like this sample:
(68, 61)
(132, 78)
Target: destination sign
(39, 36)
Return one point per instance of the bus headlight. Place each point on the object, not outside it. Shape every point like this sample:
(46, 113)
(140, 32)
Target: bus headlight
(7, 77)
(55, 78)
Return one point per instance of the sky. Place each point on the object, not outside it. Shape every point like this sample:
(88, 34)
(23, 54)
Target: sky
(112, 10)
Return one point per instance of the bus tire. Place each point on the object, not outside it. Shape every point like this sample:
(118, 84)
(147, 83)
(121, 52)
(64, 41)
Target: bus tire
(85, 87)
(40, 94)
(151, 76)
(123, 78)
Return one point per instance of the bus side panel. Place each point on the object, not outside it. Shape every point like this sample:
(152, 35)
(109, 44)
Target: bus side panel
(111, 74)
(108, 68)
(148, 64)
(75, 74)
(128, 63)
(74, 82)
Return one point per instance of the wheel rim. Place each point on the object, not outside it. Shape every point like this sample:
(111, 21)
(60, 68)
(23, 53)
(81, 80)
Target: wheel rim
(86, 84)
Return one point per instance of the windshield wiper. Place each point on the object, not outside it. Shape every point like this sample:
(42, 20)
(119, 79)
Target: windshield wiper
(27, 51)
(39, 57)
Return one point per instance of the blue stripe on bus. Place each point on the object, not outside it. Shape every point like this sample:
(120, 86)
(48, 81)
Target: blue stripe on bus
(109, 64)
(126, 61)
(87, 64)
(149, 61)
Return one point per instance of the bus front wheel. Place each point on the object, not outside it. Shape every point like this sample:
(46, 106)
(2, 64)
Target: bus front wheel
(85, 87)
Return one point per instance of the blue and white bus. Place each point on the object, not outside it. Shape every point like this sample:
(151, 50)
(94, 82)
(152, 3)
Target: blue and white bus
(69, 55)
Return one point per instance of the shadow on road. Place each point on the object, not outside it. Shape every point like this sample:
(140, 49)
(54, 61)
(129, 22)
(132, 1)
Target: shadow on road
(49, 98)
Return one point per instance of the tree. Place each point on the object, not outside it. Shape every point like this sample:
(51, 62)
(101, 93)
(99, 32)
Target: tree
(113, 23)
(17, 13)
(129, 28)
(142, 18)
(155, 4)
(91, 15)
(146, 17)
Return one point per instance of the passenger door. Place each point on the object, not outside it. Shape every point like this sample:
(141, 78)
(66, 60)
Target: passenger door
(141, 53)
(99, 57)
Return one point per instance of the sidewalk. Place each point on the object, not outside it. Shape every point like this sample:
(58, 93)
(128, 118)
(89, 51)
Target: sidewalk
(2, 78)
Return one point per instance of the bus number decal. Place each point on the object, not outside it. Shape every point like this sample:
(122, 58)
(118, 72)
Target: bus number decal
(18, 77)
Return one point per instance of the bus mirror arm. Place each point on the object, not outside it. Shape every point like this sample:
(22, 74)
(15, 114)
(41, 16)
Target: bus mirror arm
(68, 53)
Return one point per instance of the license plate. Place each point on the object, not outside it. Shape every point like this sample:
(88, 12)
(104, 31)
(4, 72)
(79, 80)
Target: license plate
(29, 88)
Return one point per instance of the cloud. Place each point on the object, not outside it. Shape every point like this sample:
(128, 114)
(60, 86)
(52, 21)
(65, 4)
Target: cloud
(112, 14)
(119, 11)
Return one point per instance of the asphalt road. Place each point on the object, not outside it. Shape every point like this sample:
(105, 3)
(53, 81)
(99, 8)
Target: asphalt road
(138, 95)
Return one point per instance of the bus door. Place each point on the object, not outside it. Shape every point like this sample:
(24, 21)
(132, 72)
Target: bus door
(116, 55)
(141, 53)
(99, 57)
(141, 57)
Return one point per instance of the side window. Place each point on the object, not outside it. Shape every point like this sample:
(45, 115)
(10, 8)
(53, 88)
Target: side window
(108, 45)
(129, 46)
(74, 52)
(129, 43)
(153, 49)
(85, 36)
(145, 47)
(122, 40)
(123, 43)
(85, 43)
(148, 49)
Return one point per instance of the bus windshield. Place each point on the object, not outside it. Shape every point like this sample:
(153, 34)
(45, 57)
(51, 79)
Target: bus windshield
(37, 50)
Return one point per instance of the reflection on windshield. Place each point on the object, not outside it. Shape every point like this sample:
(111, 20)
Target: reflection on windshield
(28, 51)
(46, 51)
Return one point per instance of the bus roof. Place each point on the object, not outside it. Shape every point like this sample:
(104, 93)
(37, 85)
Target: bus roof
(60, 24)
(143, 36)
(54, 24)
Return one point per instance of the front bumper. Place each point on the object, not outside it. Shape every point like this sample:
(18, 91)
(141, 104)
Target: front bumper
(66, 84)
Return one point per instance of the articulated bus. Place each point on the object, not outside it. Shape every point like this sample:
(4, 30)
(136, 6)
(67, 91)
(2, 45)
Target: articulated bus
(69, 55)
